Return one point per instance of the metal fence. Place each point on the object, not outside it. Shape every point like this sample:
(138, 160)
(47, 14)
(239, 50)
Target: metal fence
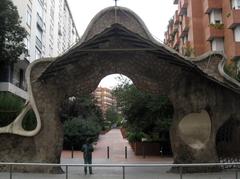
(180, 167)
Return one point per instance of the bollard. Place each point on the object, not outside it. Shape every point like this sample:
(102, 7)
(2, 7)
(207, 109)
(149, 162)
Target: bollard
(10, 171)
(66, 172)
(72, 151)
(125, 152)
(236, 174)
(123, 172)
(108, 152)
(181, 170)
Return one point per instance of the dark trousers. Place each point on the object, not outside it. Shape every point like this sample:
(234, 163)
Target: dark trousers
(88, 160)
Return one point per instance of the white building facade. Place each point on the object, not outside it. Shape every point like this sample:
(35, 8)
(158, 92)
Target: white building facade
(51, 31)
(50, 26)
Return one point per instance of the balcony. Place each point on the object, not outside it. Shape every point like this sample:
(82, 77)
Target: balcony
(213, 32)
(176, 18)
(183, 4)
(175, 1)
(185, 26)
(233, 18)
(185, 23)
(209, 5)
(176, 40)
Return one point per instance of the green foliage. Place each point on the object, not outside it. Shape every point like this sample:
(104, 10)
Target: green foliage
(232, 70)
(113, 117)
(188, 50)
(135, 136)
(147, 113)
(10, 107)
(29, 122)
(83, 106)
(82, 119)
(217, 26)
(78, 130)
(11, 33)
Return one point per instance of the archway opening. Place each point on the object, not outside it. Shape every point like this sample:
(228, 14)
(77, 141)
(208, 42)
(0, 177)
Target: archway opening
(143, 118)
(227, 141)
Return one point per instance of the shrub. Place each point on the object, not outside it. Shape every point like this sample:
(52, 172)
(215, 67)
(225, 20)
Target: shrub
(10, 107)
(77, 130)
(135, 136)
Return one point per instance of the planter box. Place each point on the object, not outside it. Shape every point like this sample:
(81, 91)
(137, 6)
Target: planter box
(124, 132)
(147, 148)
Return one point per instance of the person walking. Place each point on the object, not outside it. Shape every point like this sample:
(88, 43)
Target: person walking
(87, 150)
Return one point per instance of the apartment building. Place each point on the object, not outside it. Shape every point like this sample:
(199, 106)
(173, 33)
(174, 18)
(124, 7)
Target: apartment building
(200, 26)
(51, 31)
(105, 99)
(50, 26)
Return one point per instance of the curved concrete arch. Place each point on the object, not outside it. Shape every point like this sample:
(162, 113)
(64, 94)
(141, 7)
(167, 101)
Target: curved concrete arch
(125, 46)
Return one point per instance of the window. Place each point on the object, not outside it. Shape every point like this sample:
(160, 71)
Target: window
(38, 53)
(236, 4)
(216, 16)
(217, 44)
(27, 42)
(39, 36)
(52, 12)
(29, 16)
(40, 9)
(237, 33)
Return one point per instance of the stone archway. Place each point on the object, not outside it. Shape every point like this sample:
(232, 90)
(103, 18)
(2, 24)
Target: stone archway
(122, 44)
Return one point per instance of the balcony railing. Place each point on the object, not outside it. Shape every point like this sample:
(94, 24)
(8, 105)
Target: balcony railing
(209, 5)
(185, 26)
(213, 32)
(233, 18)
(176, 40)
(185, 23)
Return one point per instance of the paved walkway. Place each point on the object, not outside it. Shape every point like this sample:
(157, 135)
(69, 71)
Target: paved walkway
(117, 144)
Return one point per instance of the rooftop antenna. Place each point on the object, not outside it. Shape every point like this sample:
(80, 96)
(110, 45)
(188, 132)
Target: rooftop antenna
(116, 10)
(116, 2)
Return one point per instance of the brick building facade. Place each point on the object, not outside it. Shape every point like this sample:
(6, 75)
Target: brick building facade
(105, 99)
(200, 26)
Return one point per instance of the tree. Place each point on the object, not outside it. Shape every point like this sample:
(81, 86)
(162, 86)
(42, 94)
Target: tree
(82, 119)
(83, 106)
(11, 33)
(113, 117)
(145, 113)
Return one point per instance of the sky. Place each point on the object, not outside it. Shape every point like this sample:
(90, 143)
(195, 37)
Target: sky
(154, 13)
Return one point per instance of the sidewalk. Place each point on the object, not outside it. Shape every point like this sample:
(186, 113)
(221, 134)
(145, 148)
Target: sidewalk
(117, 144)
